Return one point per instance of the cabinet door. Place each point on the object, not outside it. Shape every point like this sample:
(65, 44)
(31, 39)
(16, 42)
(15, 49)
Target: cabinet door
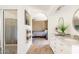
(64, 48)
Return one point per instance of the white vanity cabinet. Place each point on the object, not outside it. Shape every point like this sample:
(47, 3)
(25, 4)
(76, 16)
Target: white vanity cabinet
(62, 45)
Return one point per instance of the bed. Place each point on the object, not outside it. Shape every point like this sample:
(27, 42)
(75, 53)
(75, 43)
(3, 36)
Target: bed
(40, 34)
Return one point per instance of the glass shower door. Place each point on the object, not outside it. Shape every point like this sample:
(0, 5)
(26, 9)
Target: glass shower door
(10, 31)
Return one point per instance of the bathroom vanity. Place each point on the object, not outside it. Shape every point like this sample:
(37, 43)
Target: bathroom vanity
(63, 44)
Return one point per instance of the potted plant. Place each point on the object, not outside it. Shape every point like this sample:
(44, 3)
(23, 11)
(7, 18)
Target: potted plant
(61, 28)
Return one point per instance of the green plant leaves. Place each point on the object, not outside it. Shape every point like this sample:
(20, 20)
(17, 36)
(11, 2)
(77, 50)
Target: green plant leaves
(62, 28)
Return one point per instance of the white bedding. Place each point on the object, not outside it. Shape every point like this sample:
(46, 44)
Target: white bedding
(39, 33)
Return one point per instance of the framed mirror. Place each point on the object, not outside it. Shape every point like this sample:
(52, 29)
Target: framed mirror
(76, 20)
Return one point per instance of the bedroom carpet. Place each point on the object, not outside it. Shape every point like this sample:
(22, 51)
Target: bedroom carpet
(40, 50)
(40, 42)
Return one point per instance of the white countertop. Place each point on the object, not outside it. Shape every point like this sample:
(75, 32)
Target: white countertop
(62, 45)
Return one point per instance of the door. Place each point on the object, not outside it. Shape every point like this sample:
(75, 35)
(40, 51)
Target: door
(10, 31)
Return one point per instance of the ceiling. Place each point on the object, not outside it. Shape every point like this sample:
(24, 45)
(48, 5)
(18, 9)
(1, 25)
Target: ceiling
(46, 9)
(35, 9)
(42, 7)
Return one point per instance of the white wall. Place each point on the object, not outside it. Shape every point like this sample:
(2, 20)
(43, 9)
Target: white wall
(1, 30)
(67, 13)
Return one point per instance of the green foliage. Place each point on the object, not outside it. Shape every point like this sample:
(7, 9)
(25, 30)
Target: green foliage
(62, 28)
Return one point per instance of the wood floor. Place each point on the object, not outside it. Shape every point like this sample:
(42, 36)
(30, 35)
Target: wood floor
(40, 50)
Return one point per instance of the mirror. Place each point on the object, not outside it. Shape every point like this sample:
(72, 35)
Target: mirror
(76, 20)
(10, 31)
(27, 18)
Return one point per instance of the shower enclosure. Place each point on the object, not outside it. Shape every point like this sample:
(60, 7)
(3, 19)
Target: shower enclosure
(8, 31)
